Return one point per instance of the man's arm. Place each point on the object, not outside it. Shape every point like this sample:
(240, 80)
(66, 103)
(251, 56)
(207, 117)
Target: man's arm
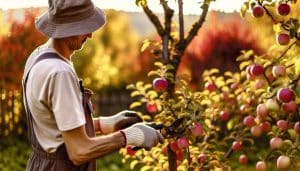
(82, 148)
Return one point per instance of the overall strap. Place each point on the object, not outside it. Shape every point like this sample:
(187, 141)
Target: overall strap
(48, 55)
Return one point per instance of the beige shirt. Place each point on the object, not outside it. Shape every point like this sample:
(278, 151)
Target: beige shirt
(54, 98)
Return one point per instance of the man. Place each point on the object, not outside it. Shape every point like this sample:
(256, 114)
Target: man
(60, 126)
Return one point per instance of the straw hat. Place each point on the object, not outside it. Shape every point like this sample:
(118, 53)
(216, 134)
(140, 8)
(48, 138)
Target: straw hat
(66, 18)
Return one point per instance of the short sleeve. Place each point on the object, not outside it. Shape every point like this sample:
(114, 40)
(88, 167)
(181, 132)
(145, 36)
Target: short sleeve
(67, 101)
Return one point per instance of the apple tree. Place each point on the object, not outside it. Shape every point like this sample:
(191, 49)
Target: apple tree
(249, 117)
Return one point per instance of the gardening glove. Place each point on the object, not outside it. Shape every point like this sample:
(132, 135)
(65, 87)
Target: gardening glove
(142, 135)
(118, 121)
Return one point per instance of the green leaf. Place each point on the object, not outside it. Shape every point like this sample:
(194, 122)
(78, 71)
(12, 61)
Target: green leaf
(245, 56)
(243, 10)
(297, 66)
(159, 64)
(133, 164)
(214, 71)
(152, 94)
(140, 2)
(139, 85)
(135, 93)
(244, 64)
(152, 73)
(228, 74)
(135, 104)
(146, 118)
(130, 87)
(147, 86)
(146, 44)
(146, 168)
(170, 67)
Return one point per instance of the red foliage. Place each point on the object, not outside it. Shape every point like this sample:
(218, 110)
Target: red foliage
(217, 45)
(16, 47)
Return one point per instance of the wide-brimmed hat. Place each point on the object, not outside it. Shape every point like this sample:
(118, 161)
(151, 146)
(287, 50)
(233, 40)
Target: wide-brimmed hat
(66, 18)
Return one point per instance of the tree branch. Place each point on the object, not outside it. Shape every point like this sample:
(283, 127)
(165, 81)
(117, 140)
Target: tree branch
(195, 27)
(167, 34)
(181, 22)
(154, 19)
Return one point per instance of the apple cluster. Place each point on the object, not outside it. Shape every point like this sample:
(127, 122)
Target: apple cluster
(253, 111)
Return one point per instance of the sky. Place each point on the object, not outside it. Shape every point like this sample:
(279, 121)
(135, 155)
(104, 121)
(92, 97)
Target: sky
(190, 6)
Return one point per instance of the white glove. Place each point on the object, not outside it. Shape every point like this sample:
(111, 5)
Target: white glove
(142, 135)
(118, 121)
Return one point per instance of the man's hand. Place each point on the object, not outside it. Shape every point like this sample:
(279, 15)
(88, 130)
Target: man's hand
(142, 135)
(118, 121)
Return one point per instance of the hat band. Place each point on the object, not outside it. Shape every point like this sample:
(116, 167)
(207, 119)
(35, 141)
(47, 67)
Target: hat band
(72, 15)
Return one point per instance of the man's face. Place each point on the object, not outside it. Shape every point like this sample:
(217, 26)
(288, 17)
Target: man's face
(76, 42)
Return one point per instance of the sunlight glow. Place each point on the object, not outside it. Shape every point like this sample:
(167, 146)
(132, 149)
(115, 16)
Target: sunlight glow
(190, 6)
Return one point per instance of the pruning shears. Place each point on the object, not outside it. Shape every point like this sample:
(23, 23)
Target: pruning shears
(167, 131)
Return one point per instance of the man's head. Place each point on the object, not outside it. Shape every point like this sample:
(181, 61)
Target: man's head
(74, 43)
(70, 18)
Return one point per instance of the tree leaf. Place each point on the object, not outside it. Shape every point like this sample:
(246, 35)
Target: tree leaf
(152, 73)
(145, 45)
(135, 93)
(133, 164)
(135, 104)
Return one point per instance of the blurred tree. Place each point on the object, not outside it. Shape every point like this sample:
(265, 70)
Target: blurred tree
(217, 45)
(17, 40)
(16, 45)
(106, 62)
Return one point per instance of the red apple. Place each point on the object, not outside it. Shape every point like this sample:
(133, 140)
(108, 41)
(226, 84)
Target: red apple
(283, 9)
(151, 107)
(297, 127)
(183, 142)
(174, 146)
(290, 107)
(278, 71)
(258, 11)
(210, 86)
(234, 86)
(249, 121)
(259, 83)
(179, 155)
(202, 158)
(272, 105)
(285, 95)
(130, 151)
(196, 129)
(282, 124)
(265, 126)
(256, 131)
(160, 84)
(256, 69)
(224, 96)
(251, 100)
(244, 108)
(237, 145)
(262, 110)
(261, 166)
(276, 143)
(283, 162)
(243, 159)
(224, 115)
(283, 39)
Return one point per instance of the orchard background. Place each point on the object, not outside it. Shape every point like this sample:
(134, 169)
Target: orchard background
(230, 82)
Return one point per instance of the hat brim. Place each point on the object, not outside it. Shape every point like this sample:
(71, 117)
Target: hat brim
(85, 26)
